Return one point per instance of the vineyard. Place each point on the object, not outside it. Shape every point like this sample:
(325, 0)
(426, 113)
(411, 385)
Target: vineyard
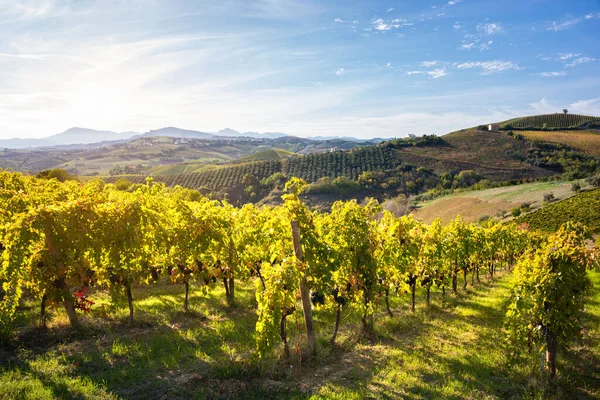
(585, 141)
(549, 121)
(73, 246)
(311, 167)
(583, 208)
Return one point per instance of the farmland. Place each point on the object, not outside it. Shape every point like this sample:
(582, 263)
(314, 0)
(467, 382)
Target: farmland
(549, 121)
(475, 204)
(586, 141)
(583, 208)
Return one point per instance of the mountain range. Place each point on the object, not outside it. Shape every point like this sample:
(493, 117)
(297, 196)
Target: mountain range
(74, 137)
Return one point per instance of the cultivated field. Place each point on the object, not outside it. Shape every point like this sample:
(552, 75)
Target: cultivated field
(587, 141)
(475, 204)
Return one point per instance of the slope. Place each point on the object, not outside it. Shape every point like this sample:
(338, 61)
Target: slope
(549, 121)
(583, 208)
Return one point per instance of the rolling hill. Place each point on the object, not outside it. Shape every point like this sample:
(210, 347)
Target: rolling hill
(550, 121)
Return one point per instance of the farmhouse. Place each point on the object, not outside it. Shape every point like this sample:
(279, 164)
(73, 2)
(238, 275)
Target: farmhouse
(493, 127)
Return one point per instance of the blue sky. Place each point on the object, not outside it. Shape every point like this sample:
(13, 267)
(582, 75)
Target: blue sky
(361, 68)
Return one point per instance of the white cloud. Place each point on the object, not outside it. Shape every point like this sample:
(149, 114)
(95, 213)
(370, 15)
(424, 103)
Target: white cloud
(580, 60)
(428, 63)
(561, 26)
(24, 56)
(390, 9)
(339, 20)
(552, 74)
(453, 2)
(567, 56)
(382, 25)
(437, 73)
(340, 71)
(592, 16)
(586, 107)
(388, 65)
(491, 67)
(434, 74)
(489, 29)
(456, 25)
(467, 46)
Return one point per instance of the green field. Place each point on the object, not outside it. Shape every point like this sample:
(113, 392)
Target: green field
(584, 208)
(450, 351)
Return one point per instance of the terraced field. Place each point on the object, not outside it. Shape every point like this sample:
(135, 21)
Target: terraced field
(587, 141)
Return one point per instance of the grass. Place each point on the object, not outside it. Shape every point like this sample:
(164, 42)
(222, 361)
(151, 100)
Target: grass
(582, 140)
(453, 350)
(474, 204)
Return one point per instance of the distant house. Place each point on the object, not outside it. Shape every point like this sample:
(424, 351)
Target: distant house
(493, 127)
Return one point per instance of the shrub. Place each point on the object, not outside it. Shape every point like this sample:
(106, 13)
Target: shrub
(122, 184)
(515, 212)
(576, 187)
(484, 218)
(525, 206)
(501, 214)
(549, 197)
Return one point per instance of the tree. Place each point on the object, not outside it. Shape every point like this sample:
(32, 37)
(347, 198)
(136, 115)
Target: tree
(548, 296)
(565, 111)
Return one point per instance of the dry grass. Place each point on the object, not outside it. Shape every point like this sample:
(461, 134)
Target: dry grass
(475, 204)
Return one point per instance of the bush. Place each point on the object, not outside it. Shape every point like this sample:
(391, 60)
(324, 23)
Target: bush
(594, 181)
(501, 214)
(123, 184)
(483, 218)
(549, 197)
(525, 206)
(515, 212)
(576, 187)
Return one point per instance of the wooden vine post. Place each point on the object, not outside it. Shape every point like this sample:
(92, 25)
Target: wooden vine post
(304, 291)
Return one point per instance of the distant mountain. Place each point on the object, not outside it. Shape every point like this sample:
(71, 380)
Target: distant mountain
(78, 137)
(181, 133)
(71, 136)
(233, 133)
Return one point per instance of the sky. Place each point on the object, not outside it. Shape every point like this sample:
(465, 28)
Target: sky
(304, 67)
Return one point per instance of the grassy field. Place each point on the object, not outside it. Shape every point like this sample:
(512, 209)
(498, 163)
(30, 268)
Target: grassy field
(586, 141)
(583, 208)
(453, 350)
(475, 204)
(550, 121)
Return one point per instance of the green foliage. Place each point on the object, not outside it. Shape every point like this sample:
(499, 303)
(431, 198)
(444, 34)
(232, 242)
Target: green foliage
(57, 173)
(515, 212)
(583, 208)
(550, 287)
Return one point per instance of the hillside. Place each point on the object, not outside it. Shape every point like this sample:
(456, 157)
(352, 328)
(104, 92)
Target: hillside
(549, 121)
(583, 208)
(401, 166)
(142, 155)
(476, 204)
(586, 141)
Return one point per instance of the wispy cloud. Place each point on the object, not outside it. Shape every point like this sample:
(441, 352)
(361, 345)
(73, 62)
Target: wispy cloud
(456, 25)
(568, 23)
(567, 56)
(490, 67)
(24, 56)
(390, 9)
(382, 25)
(428, 63)
(580, 60)
(453, 2)
(434, 74)
(551, 74)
